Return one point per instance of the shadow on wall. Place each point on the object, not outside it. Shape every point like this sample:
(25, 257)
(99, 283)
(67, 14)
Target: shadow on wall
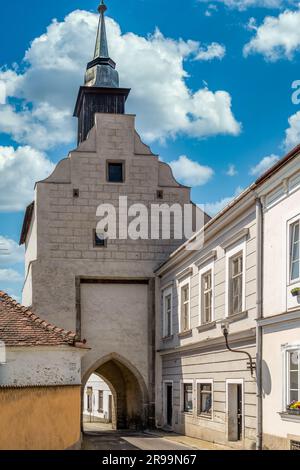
(266, 379)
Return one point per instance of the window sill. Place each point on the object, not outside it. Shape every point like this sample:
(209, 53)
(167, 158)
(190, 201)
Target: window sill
(184, 334)
(205, 417)
(285, 416)
(237, 316)
(167, 338)
(206, 326)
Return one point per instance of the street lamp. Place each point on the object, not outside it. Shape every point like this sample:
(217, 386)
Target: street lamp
(251, 364)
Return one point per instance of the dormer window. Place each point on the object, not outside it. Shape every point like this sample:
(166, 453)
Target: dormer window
(115, 172)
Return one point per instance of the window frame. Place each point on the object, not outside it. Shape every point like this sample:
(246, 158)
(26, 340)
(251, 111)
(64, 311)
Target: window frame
(115, 162)
(89, 395)
(205, 382)
(202, 272)
(230, 255)
(291, 224)
(166, 292)
(286, 351)
(101, 409)
(181, 284)
(182, 396)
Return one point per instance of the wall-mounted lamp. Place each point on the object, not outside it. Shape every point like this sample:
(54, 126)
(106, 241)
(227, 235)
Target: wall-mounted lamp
(251, 364)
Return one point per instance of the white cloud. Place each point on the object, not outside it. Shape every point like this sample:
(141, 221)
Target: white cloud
(19, 170)
(211, 9)
(191, 173)
(212, 51)
(10, 275)
(242, 5)
(231, 171)
(292, 133)
(264, 165)
(277, 37)
(152, 66)
(10, 252)
(212, 208)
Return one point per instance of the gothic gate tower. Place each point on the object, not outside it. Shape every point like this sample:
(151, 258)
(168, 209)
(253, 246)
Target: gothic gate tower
(103, 290)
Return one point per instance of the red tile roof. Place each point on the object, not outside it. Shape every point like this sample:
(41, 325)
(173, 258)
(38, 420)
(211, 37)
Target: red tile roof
(21, 327)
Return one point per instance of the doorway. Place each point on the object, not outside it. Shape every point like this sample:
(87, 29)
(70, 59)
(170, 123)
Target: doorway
(169, 404)
(235, 412)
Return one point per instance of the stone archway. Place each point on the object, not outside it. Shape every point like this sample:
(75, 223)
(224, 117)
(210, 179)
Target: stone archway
(130, 396)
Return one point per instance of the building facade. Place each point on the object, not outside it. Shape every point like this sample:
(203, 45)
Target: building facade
(98, 401)
(236, 292)
(280, 320)
(203, 389)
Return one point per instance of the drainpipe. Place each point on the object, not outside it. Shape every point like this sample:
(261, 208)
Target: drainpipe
(259, 333)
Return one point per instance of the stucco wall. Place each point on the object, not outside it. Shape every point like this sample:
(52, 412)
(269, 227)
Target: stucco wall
(275, 337)
(115, 319)
(277, 287)
(65, 224)
(27, 366)
(41, 418)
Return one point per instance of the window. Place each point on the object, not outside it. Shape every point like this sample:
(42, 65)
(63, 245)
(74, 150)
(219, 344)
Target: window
(236, 284)
(293, 379)
(89, 399)
(187, 397)
(167, 312)
(294, 256)
(100, 241)
(204, 399)
(185, 307)
(207, 293)
(100, 401)
(115, 172)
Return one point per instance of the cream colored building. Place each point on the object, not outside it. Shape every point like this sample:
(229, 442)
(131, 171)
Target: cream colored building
(280, 323)
(245, 278)
(204, 390)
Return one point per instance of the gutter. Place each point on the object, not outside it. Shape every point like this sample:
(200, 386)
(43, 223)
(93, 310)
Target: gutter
(259, 328)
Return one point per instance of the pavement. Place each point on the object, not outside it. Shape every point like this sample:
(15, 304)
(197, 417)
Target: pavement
(101, 437)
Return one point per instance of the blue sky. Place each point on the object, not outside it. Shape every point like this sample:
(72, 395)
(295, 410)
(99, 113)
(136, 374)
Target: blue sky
(231, 63)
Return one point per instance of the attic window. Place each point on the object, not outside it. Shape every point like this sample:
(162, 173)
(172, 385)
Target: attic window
(160, 194)
(99, 240)
(115, 172)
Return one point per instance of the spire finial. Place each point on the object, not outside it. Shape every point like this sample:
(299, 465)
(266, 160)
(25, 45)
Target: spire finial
(101, 49)
(102, 8)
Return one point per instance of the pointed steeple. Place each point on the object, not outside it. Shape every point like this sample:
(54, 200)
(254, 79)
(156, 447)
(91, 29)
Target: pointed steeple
(101, 92)
(101, 71)
(101, 48)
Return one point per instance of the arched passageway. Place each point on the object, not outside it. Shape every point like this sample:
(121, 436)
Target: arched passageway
(130, 397)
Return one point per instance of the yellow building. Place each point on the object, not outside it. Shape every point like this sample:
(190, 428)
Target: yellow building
(40, 382)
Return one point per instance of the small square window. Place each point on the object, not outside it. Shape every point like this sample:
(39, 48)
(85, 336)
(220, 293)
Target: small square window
(115, 172)
(99, 240)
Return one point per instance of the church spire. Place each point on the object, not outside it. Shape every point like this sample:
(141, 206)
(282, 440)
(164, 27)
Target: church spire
(101, 71)
(101, 48)
(101, 92)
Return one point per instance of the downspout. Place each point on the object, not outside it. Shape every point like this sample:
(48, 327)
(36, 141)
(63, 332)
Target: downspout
(259, 333)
